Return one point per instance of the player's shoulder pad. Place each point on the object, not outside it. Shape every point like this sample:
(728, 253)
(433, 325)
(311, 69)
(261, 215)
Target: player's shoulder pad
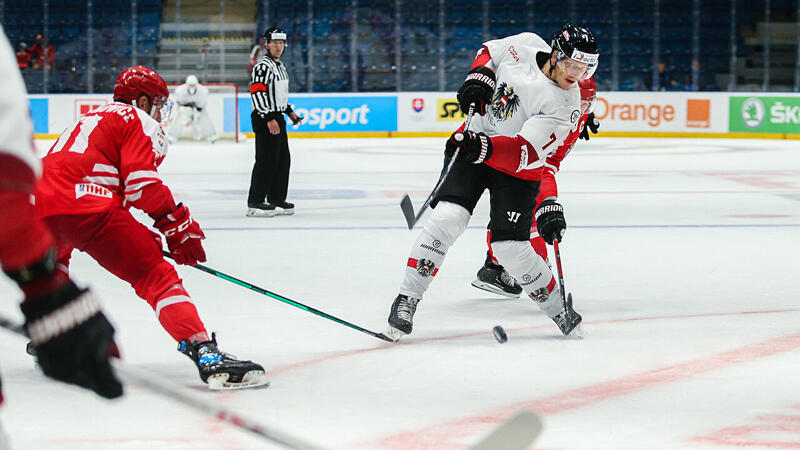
(522, 46)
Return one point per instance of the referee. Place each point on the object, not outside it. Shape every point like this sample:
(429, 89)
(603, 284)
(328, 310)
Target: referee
(269, 91)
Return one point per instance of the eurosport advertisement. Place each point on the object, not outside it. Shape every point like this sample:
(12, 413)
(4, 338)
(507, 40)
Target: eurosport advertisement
(330, 113)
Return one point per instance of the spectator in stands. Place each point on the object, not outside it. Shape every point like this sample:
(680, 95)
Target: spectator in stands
(662, 80)
(697, 80)
(256, 53)
(23, 57)
(42, 54)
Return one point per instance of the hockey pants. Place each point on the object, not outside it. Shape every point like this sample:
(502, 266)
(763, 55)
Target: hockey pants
(128, 249)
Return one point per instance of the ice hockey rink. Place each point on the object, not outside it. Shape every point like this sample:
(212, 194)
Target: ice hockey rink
(681, 255)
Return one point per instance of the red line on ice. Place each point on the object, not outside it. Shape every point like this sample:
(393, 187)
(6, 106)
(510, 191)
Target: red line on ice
(448, 434)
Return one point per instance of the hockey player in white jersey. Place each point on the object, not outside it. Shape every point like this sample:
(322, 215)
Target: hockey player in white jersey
(190, 99)
(527, 100)
(71, 336)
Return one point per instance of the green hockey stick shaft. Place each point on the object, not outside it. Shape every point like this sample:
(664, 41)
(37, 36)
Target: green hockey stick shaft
(288, 301)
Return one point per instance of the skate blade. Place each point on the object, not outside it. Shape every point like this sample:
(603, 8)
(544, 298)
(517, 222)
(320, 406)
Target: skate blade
(493, 289)
(254, 212)
(250, 380)
(394, 334)
(577, 333)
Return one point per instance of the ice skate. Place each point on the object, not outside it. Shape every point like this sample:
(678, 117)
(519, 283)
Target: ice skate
(492, 277)
(568, 319)
(260, 210)
(283, 208)
(401, 316)
(220, 370)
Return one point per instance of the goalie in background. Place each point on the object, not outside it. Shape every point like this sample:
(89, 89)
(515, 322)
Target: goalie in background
(190, 99)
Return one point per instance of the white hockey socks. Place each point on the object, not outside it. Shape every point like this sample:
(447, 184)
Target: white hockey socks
(446, 223)
(531, 272)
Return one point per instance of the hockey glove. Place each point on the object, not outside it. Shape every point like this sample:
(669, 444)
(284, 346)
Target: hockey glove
(183, 236)
(475, 147)
(550, 221)
(591, 124)
(72, 339)
(478, 88)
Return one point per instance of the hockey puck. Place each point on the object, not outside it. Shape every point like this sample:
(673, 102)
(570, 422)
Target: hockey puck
(499, 334)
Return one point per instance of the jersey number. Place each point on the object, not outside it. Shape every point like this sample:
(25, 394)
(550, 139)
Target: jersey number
(81, 131)
(552, 139)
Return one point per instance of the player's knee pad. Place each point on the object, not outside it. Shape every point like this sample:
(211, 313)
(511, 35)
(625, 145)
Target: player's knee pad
(530, 270)
(158, 281)
(447, 222)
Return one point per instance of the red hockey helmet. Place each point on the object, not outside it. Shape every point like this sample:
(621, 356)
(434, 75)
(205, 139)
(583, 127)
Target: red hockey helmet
(134, 81)
(588, 89)
(588, 94)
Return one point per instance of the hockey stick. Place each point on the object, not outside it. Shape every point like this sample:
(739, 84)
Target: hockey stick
(516, 433)
(405, 203)
(283, 299)
(561, 277)
(163, 386)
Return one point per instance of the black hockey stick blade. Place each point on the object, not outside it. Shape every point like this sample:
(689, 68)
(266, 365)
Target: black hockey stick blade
(408, 211)
(517, 433)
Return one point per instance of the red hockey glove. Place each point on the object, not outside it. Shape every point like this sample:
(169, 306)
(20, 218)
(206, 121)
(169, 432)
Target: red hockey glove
(183, 236)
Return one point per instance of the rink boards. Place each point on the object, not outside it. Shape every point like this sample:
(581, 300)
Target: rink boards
(430, 114)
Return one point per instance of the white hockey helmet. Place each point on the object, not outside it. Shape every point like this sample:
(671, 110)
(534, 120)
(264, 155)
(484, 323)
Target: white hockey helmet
(191, 80)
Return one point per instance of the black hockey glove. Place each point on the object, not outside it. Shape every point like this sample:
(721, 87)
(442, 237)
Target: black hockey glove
(591, 124)
(475, 147)
(478, 88)
(73, 339)
(550, 221)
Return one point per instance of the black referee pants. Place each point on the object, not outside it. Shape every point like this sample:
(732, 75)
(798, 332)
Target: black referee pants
(270, 178)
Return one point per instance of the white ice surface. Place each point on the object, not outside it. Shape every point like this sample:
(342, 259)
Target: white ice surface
(681, 256)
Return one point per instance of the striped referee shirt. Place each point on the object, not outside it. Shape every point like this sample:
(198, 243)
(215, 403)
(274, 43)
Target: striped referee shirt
(269, 87)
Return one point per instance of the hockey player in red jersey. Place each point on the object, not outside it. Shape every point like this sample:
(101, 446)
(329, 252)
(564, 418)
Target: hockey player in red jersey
(527, 102)
(101, 166)
(68, 331)
(492, 276)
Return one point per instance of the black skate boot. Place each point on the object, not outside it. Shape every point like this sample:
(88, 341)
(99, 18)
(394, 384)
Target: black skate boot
(401, 316)
(283, 208)
(221, 370)
(260, 210)
(568, 319)
(493, 277)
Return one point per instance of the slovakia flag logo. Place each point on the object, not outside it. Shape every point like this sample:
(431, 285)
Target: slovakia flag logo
(418, 104)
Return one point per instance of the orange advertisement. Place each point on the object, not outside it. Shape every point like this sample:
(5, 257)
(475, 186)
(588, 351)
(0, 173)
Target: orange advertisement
(698, 113)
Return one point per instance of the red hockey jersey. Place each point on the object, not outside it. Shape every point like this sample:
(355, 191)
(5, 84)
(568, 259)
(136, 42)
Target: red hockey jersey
(107, 159)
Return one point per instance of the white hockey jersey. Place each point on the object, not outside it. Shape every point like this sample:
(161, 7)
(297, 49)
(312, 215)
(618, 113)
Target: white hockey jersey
(16, 132)
(526, 103)
(185, 95)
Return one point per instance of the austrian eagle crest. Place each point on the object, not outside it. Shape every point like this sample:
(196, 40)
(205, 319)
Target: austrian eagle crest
(505, 102)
